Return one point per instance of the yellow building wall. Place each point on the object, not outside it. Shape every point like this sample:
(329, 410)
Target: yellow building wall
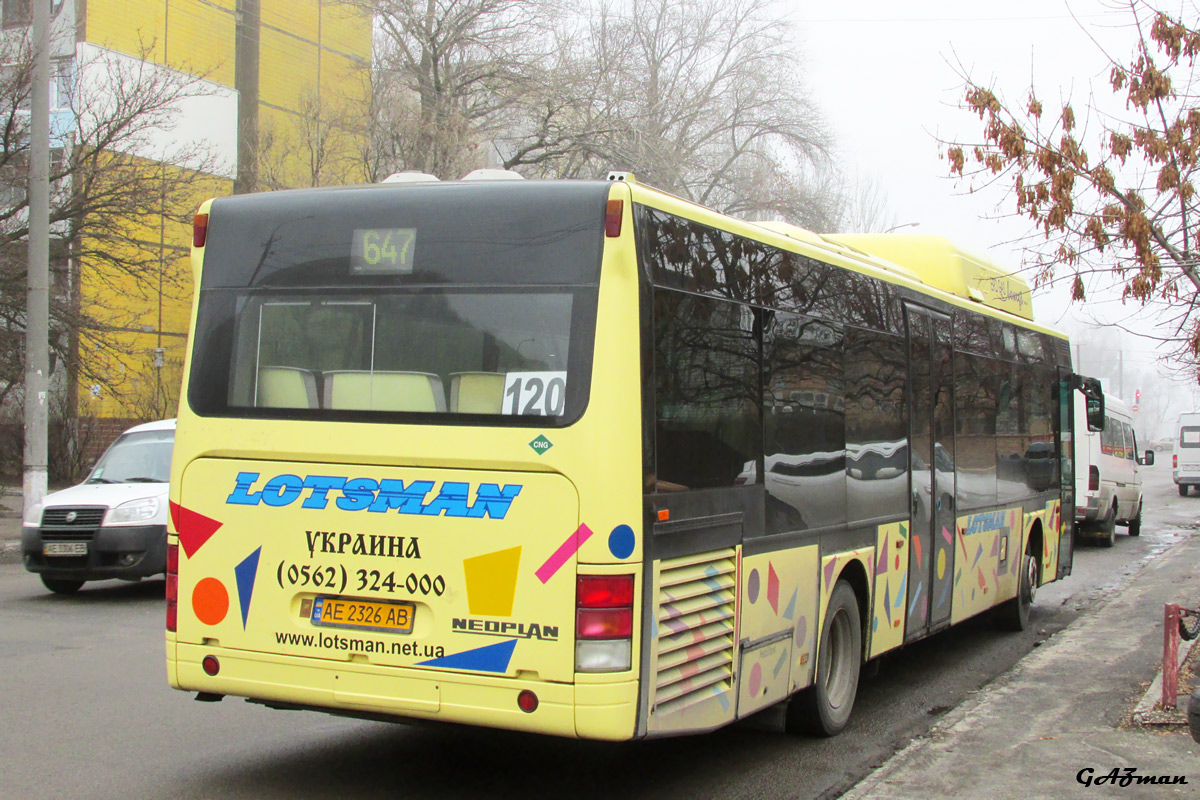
(128, 306)
(306, 46)
(188, 35)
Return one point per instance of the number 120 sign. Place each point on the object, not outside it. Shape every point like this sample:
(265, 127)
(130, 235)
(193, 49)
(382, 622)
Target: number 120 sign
(541, 394)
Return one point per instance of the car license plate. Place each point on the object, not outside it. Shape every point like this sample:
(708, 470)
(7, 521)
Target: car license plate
(65, 548)
(369, 615)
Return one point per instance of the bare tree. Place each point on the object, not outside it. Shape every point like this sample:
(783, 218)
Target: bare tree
(1110, 194)
(323, 144)
(865, 208)
(446, 68)
(700, 97)
(113, 192)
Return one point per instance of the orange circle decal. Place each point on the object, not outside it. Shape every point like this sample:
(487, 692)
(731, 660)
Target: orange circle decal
(210, 601)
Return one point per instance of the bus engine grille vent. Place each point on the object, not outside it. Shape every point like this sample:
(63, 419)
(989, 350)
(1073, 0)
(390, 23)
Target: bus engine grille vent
(694, 631)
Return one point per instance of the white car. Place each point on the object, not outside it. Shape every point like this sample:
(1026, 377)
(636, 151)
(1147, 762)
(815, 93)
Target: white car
(114, 524)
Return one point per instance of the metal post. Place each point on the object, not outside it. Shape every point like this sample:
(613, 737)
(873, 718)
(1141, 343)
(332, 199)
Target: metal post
(1170, 667)
(37, 312)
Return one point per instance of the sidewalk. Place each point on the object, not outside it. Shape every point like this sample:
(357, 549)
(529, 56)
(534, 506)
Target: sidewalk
(1064, 710)
(10, 524)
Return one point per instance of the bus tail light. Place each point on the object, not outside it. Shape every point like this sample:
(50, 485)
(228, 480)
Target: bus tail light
(1175, 461)
(172, 587)
(1093, 479)
(199, 230)
(612, 218)
(603, 623)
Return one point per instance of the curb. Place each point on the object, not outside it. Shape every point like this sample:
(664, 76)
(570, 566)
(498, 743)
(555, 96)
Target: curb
(10, 552)
(1148, 710)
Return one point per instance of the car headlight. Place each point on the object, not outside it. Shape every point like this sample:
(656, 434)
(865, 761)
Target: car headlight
(135, 510)
(33, 515)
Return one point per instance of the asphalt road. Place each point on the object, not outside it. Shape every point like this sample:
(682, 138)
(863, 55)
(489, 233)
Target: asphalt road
(88, 713)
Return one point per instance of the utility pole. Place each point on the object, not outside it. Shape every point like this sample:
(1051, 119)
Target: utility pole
(1121, 374)
(37, 311)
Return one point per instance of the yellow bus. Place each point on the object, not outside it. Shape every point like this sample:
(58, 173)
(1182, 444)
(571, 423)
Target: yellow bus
(586, 459)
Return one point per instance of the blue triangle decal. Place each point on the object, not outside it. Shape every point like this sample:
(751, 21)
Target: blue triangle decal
(492, 658)
(245, 573)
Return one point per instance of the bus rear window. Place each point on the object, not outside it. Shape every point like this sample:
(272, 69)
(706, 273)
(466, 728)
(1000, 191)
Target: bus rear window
(426, 303)
(446, 352)
(1189, 437)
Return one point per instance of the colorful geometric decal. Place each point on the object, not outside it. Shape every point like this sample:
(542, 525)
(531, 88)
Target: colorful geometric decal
(752, 587)
(755, 679)
(563, 554)
(772, 588)
(210, 601)
(790, 611)
(490, 658)
(245, 573)
(193, 527)
(780, 664)
(492, 582)
(891, 581)
(621, 541)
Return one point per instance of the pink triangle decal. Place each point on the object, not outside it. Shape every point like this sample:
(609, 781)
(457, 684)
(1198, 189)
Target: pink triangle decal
(881, 566)
(194, 528)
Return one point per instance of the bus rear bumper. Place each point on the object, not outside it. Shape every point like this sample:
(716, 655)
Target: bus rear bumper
(605, 711)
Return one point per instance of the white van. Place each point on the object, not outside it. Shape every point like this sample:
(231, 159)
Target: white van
(1108, 487)
(114, 524)
(1185, 464)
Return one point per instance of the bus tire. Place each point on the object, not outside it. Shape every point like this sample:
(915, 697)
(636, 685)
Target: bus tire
(1013, 615)
(824, 708)
(1108, 528)
(1183, 490)
(61, 585)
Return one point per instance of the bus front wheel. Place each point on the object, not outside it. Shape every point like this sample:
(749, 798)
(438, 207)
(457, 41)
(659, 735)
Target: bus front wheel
(824, 708)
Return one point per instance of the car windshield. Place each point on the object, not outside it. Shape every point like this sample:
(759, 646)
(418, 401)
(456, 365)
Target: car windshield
(142, 457)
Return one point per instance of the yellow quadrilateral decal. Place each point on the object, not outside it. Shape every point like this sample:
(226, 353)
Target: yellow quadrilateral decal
(492, 582)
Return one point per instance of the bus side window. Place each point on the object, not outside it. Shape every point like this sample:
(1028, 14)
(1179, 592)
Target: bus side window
(286, 387)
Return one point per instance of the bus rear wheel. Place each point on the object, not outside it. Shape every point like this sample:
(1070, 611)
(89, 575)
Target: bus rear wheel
(1013, 615)
(824, 708)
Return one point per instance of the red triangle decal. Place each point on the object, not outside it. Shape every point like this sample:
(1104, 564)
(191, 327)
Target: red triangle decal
(194, 528)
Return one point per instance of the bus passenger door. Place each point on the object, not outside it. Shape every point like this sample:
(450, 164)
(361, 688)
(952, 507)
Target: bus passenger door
(1064, 428)
(931, 471)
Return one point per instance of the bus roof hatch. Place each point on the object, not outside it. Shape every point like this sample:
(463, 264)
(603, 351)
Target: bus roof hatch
(941, 263)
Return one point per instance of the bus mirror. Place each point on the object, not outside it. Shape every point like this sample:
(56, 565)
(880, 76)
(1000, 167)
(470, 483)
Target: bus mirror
(1093, 393)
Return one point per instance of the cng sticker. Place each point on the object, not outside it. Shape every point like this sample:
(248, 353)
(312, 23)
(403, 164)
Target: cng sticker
(540, 445)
